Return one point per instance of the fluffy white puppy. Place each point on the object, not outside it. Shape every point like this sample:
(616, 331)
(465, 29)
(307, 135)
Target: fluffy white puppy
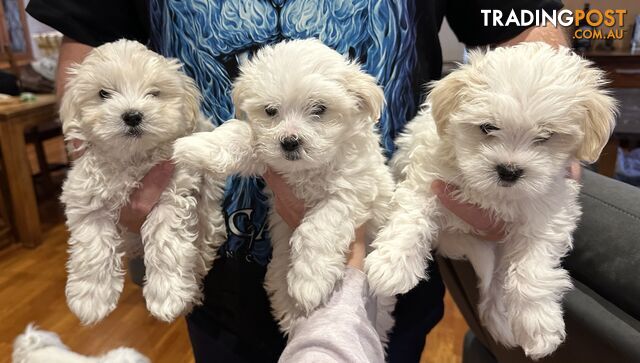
(503, 128)
(39, 346)
(127, 105)
(308, 114)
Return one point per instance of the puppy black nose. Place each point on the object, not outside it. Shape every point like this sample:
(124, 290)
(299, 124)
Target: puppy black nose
(290, 143)
(132, 118)
(509, 172)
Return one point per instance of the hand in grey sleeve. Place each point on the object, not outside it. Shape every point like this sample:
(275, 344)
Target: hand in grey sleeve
(340, 331)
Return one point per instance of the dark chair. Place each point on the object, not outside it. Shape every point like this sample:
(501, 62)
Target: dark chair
(37, 136)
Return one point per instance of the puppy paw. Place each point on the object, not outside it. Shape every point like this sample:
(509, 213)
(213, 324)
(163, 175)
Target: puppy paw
(307, 290)
(539, 332)
(91, 302)
(289, 320)
(494, 317)
(390, 273)
(182, 152)
(543, 345)
(167, 302)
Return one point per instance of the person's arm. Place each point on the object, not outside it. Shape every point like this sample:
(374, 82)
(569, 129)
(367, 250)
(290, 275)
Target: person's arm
(549, 34)
(339, 331)
(71, 52)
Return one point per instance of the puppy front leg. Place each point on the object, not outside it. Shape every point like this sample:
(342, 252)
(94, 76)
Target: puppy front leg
(318, 251)
(534, 284)
(225, 151)
(284, 308)
(212, 228)
(481, 254)
(171, 257)
(95, 276)
(403, 246)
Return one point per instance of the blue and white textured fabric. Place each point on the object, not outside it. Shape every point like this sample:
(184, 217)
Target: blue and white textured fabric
(211, 37)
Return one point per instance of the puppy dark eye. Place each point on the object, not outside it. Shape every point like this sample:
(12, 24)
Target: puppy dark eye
(488, 128)
(542, 139)
(155, 93)
(270, 111)
(318, 110)
(104, 94)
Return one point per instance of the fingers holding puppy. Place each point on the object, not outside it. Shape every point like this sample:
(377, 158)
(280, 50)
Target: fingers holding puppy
(489, 228)
(145, 198)
(481, 220)
(292, 210)
(288, 206)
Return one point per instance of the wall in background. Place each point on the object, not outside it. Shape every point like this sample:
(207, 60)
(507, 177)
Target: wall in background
(452, 49)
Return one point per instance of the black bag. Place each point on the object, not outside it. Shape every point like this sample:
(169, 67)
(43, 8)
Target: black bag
(9, 84)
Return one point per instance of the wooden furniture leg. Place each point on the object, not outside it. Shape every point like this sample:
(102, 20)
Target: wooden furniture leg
(6, 231)
(45, 173)
(18, 170)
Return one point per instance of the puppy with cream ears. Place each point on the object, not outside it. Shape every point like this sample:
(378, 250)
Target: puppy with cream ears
(504, 129)
(127, 105)
(308, 114)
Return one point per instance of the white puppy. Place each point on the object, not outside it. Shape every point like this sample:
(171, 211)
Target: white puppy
(39, 346)
(504, 129)
(127, 105)
(309, 115)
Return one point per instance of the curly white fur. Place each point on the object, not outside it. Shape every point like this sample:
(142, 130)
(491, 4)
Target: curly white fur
(532, 109)
(182, 232)
(39, 346)
(310, 116)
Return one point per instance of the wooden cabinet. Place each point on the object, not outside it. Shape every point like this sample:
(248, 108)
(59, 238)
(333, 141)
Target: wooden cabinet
(623, 68)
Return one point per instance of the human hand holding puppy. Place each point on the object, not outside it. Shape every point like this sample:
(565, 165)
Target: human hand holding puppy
(143, 199)
(291, 209)
(489, 229)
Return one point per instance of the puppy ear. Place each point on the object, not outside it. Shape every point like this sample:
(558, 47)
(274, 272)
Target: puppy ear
(365, 88)
(446, 94)
(600, 115)
(444, 98)
(237, 94)
(70, 105)
(192, 102)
